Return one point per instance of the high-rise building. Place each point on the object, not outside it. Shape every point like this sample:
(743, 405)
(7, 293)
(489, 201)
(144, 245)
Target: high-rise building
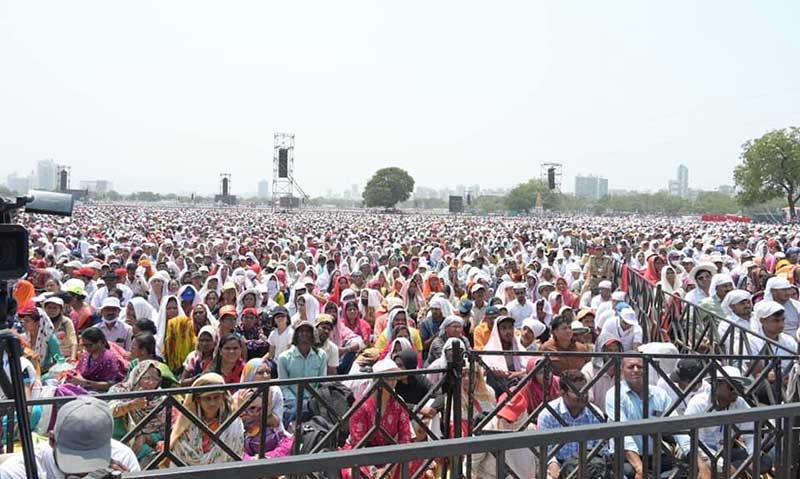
(680, 185)
(46, 172)
(591, 187)
(263, 189)
(18, 184)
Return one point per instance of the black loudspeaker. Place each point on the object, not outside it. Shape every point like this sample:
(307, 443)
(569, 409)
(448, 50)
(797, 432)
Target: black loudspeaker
(469, 199)
(551, 178)
(62, 180)
(289, 202)
(456, 204)
(224, 187)
(283, 163)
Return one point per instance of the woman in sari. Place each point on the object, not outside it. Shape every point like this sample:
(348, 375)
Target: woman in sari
(39, 332)
(138, 308)
(189, 443)
(145, 376)
(228, 358)
(567, 297)
(99, 368)
(543, 386)
(257, 370)
(413, 301)
(157, 289)
(351, 317)
(397, 317)
(179, 339)
(394, 421)
(201, 359)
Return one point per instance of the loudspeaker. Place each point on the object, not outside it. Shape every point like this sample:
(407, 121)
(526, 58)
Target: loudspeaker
(283, 163)
(224, 187)
(456, 204)
(62, 180)
(551, 178)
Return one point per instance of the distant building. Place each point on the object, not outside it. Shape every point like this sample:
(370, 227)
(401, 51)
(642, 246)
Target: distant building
(19, 184)
(591, 187)
(46, 171)
(263, 189)
(618, 192)
(680, 185)
(97, 186)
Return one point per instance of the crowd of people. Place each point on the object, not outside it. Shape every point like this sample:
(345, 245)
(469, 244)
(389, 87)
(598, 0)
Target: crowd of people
(122, 299)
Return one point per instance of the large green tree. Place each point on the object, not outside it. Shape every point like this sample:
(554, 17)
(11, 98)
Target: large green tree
(523, 197)
(770, 168)
(387, 187)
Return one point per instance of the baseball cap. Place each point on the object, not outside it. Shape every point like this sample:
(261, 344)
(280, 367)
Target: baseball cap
(492, 310)
(605, 284)
(228, 310)
(579, 328)
(83, 431)
(323, 318)
(110, 302)
(465, 306)
(735, 375)
(75, 286)
(476, 287)
(54, 300)
(252, 311)
(628, 315)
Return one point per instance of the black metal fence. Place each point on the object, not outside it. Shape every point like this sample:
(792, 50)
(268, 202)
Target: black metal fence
(503, 446)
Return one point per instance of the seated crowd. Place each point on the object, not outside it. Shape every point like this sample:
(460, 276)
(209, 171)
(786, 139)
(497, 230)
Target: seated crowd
(175, 306)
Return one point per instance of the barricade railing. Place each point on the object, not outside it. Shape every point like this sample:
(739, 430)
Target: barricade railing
(169, 401)
(692, 328)
(766, 372)
(502, 448)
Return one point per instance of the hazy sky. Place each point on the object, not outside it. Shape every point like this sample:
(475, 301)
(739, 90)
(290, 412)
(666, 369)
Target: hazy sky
(165, 95)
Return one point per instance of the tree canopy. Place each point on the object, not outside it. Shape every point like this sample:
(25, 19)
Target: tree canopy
(523, 197)
(387, 187)
(770, 168)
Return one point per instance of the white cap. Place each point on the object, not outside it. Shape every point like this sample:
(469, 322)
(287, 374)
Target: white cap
(736, 375)
(767, 308)
(95, 265)
(628, 315)
(778, 282)
(605, 284)
(579, 328)
(54, 300)
(110, 302)
(476, 287)
(618, 296)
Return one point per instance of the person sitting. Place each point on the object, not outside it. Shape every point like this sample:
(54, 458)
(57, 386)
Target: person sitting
(63, 328)
(81, 443)
(145, 376)
(393, 420)
(725, 397)
(98, 368)
(483, 330)
(201, 359)
(190, 444)
(571, 409)
(228, 358)
(253, 333)
(398, 316)
(452, 328)
(561, 340)
(257, 370)
(625, 326)
(606, 343)
(301, 360)
(324, 328)
(114, 330)
(505, 370)
(543, 386)
(40, 334)
(532, 330)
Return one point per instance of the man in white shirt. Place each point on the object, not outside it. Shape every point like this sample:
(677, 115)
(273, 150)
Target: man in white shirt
(625, 326)
(520, 308)
(324, 328)
(80, 444)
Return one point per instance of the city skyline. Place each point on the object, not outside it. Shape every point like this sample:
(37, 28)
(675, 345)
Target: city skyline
(486, 98)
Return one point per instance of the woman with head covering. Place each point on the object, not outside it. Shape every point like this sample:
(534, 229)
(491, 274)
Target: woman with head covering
(39, 332)
(606, 343)
(543, 386)
(653, 271)
(190, 444)
(145, 376)
(201, 359)
(257, 370)
(138, 308)
(179, 339)
(393, 420)
(157, 289)
(351, 318)
(670, 281)
(413, 301)
(398, 317)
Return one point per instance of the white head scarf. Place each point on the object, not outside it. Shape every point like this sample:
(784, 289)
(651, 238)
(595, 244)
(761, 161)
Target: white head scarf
(494, 344)
(161, 326)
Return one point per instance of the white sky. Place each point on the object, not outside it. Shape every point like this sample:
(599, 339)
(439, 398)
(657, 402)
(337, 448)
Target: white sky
(165, 95)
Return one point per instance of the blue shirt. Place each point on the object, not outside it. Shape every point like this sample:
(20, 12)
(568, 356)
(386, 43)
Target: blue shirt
(293, 365)
(548, 421)
(631, 408)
